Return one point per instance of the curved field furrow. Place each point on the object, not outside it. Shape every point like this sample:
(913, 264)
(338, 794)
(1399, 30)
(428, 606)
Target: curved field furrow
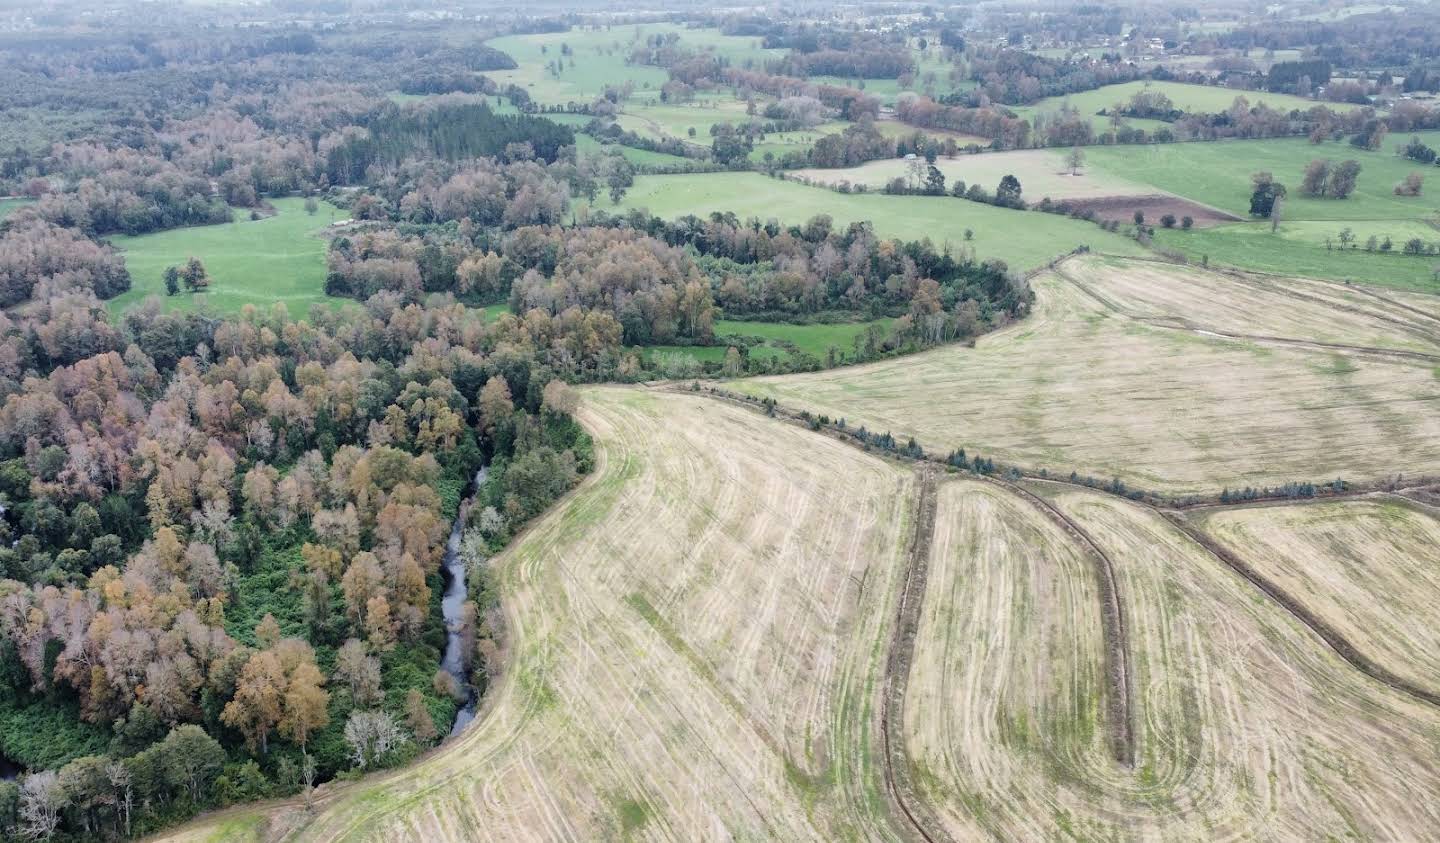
(1368, 568)
(692, 658)
(1081, 386)
(1248, 726)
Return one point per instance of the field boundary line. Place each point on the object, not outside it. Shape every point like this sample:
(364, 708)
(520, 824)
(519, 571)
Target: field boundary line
(1329, 634)
(901, 653)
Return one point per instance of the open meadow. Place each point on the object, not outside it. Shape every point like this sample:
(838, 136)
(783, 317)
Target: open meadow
(1042, 172)
(1023, 240)
(598, 57)
(279, 258)
(1199, 99)
(1218, 173)
(1245, 725)
(697, 650)
(1139, 378)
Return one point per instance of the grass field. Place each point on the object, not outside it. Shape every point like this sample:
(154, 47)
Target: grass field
(1218, 174)
(777, 337)
(1155, 394)
(7, 206)
(1042, 172)
(1207, 99)
(599, 57)
(662, 121)
(1365, 567)
(276, 259)
(1299, 248)
(1247, 726)
(1023, 239)
(690, 655)
(814, 340)
(586, 145)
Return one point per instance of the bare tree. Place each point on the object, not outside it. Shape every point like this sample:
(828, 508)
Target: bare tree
(371, 736)
(1075, 159)
(41, 800)
(307, 774)
(119, 776)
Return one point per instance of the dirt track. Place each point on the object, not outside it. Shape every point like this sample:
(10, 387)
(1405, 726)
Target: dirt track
(1328, 633)
(898, 662)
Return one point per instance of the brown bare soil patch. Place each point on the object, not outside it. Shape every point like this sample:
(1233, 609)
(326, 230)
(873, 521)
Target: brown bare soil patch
(1154, 206)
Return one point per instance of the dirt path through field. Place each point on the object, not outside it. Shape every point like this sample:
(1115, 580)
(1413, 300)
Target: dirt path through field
(898, 661)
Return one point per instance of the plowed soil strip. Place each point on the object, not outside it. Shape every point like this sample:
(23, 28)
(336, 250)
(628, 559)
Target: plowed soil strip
(897, 663)
(1331, 636)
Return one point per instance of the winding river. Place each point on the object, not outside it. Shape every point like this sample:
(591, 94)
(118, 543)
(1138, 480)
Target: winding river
(452, 604)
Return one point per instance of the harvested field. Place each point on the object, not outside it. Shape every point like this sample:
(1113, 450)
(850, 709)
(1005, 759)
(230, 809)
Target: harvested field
(1365, 567)
(699, 636)
(1247, 725)
(1085, 387)
(1153, 206)
(1237, 304)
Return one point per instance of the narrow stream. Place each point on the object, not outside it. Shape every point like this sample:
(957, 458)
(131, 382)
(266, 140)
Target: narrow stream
(451, 604)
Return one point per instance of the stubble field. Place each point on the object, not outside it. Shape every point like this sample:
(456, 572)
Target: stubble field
(1365, 567)
(1246, 726)
(1152, 375)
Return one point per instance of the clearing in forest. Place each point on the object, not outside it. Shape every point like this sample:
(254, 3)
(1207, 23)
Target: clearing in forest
(698, 636)
(1171, 379)
(1246, 724)
(278, 258)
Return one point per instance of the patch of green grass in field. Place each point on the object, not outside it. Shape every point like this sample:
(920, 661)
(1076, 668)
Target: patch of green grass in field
(814, 339)
(586, 145)
(1299, 249)
(258, 262)
(1207, 99)
(7, 206)
(1023, 239)
(661, 121)
(1218, 174)
(599, 57)
(703, 353)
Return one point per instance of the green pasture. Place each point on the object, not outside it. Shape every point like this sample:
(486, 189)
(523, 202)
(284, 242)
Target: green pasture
(1298, 248)
(599, 56)
(1218, 174)
(8, 206)
(259, 262)
(1207, 99)
(586, 145)
(1024, 242)
(776, 337)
